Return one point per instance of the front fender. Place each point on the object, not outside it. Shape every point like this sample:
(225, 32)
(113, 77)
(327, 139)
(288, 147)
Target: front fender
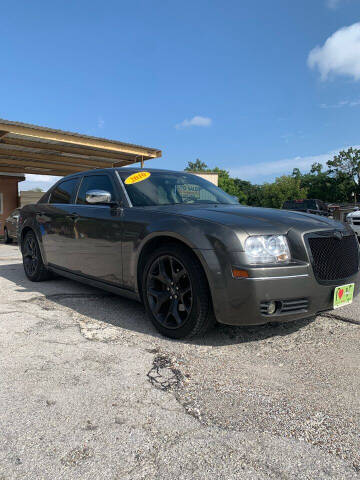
(209, 241)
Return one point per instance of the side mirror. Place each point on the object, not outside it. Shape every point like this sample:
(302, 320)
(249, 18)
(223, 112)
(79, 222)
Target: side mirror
(98, 196)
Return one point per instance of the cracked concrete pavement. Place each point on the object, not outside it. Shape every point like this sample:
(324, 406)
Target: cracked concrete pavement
(88, 389)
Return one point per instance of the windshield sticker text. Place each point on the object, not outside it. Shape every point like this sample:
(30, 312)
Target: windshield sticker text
(137, 177)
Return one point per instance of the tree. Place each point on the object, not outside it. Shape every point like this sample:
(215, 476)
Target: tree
(284, 188)
(335, 184)
(251, 194)
(37, 189)
(317, 183)
(316, 168)
(346, 167)
(197, 166)
(296, 173)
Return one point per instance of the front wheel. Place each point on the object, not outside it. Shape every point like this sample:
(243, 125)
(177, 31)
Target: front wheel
(7, 239)
(176, 293)
(34, 267)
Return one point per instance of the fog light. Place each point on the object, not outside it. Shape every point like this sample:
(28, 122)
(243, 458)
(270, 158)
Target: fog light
(271, 309)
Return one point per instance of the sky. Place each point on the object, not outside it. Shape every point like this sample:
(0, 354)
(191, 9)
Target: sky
(256, 88)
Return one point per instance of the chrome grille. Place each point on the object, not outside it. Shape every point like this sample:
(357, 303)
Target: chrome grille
(334, 258)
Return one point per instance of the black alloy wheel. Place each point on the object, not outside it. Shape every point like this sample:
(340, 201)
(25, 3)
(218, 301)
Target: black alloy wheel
(34, 267)
(175, 292)
(169, 292)
(30, 255)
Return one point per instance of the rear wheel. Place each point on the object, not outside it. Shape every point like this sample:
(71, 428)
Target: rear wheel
(34, 267)
(176, 293)
(7, 239)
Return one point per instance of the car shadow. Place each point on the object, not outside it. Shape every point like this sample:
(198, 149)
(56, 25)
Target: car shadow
(128, 314)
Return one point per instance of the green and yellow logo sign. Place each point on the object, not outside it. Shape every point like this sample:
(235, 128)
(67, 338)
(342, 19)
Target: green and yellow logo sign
(344, 295)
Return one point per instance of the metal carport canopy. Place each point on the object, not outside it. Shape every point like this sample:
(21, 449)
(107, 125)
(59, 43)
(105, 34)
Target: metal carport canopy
(28, 148)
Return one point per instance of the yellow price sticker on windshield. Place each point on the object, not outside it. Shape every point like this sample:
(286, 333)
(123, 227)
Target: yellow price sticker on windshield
(137, 177)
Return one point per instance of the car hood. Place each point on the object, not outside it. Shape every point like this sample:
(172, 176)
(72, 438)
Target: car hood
(254, 220)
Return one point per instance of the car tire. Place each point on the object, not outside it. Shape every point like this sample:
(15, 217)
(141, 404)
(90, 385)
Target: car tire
(176, 294)
(34, 267)
(7, 239)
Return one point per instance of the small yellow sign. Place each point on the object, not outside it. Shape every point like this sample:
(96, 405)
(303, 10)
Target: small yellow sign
(137, 177)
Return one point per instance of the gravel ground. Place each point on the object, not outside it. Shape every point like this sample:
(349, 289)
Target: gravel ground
(89, 390)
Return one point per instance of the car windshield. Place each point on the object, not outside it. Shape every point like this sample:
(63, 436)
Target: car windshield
(168, 188)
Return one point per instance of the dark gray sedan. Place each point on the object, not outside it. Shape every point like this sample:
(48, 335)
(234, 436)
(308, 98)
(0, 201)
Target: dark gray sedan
(188, 250)
(10, 226)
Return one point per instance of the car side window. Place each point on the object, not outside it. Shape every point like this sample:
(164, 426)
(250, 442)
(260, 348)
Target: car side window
(64, 191)
(94, 182)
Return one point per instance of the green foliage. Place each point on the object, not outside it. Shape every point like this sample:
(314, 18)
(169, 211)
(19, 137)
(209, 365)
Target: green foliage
(284, 188)
(197, 166)
(229, 185)
(336, 184)
(345, 168)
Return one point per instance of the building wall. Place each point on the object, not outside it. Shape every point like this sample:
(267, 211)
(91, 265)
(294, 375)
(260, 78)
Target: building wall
(28, 197)
(9, 199)
(209, 176)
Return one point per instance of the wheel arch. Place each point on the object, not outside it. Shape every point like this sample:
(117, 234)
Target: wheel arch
(158, 241)
(26, 229)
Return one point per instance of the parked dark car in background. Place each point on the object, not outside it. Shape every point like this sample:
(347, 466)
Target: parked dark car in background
(309, 205)
(10, 226)
(188, 250)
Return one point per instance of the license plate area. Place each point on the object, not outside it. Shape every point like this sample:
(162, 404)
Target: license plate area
(343, 295)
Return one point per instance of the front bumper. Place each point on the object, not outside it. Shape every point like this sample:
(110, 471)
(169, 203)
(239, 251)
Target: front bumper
(238, 301)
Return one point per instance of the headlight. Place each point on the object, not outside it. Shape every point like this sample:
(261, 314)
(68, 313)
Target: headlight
(262, 249)
(349, 219)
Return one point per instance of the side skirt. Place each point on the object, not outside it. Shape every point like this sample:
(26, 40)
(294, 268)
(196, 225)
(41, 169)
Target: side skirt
(95, 283)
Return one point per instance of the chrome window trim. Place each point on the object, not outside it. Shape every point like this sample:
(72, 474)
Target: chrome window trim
(123, 189)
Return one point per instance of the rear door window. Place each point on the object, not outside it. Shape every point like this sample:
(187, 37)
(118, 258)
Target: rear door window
(95, 182)
(63, 192)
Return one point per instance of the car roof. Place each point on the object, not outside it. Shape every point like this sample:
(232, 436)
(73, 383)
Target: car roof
(123, 169)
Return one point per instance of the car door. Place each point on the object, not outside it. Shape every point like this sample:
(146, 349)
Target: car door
(98, 231)
(56, 223)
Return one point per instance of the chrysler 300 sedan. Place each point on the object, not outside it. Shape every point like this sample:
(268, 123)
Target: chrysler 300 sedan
(188, 250)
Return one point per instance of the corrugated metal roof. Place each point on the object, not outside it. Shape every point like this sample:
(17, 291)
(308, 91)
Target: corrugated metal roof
(34, 149)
